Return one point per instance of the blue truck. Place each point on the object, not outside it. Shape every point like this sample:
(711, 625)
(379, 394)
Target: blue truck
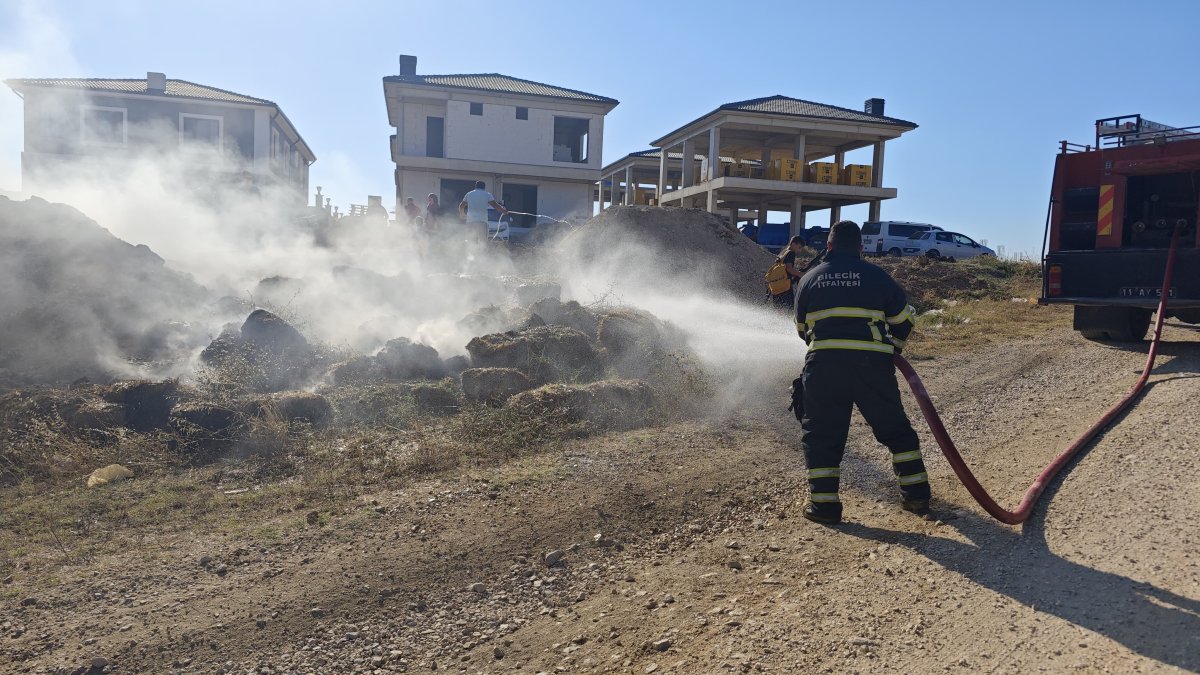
(775, 236)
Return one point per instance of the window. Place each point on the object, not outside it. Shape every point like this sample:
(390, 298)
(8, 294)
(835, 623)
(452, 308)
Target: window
(870, 229)
(476, 108)
(275, 145)
(571, 140)
(103, 126)
(435, 137)
(898, 230)
(965, 241)
(944, 236)
(201, 130)
(522, 113)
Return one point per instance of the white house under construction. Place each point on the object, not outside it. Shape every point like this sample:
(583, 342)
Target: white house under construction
(751, 157)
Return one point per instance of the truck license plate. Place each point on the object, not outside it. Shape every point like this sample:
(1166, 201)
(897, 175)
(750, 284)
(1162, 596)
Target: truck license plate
(1145, 292)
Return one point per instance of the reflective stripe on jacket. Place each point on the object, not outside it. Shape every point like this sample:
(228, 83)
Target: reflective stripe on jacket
(848, 303)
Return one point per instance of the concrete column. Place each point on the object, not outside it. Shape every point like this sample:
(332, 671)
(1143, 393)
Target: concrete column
(662, 175)
(765, 159)
(835, 213)
(689, 156)
(711, 207)
(714, 154)
(877, 166)
(797, 216)
(798, 153)
(873, 210)
(629, 188)
(798, 147)
(839, 158)
(762, 214)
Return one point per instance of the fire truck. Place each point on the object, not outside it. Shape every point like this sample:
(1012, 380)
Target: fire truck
(1113, 208)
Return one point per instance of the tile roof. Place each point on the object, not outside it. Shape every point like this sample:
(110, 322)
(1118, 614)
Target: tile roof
(784, 105)
(174, 88)
(499, 83)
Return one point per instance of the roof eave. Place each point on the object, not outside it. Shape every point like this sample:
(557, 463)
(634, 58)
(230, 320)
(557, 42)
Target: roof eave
(705, 119)
(602, 102)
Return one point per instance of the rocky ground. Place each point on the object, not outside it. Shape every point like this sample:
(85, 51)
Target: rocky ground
(681, 548)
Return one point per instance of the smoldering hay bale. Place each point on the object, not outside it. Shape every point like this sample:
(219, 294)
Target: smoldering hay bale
(147, 403)
(493, 385)
(608, 404)
(543, 353)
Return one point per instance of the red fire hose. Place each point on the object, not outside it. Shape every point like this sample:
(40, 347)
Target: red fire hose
(1022, 512)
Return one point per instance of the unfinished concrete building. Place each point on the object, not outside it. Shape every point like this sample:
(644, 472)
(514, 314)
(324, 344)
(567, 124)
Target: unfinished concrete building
(768, 145)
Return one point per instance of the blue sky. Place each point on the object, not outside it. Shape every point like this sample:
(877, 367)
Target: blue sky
(993, 86)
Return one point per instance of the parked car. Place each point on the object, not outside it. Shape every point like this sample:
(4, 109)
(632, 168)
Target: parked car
(945, 245)
(889, 237)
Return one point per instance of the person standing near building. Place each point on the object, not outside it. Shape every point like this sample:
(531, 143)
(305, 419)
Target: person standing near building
(474, 208)
(854, 317)
(411, 210)
(433, 213)
(788, 257)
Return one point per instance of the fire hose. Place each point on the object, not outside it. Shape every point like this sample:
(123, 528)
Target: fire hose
(522, 213)
(1025, 508)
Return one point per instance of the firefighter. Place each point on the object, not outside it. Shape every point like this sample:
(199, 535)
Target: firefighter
(854, 317)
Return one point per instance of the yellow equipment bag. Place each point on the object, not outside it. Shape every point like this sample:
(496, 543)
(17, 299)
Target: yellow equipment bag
(777, 279)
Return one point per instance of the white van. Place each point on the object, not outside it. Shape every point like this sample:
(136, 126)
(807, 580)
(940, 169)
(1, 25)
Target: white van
(889, 237)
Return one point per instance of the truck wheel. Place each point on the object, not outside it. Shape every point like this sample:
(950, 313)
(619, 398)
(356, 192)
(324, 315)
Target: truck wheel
(895, 252)
(1119, 324)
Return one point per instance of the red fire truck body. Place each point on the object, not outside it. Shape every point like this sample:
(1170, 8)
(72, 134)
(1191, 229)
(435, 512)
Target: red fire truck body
(1114, 206)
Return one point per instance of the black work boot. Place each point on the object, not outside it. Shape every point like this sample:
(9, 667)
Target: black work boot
(917, 506)
(825, 515)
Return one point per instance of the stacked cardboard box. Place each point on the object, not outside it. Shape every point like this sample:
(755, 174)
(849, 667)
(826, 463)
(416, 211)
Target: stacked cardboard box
(857, 174)
(786, 169)
(823, 172)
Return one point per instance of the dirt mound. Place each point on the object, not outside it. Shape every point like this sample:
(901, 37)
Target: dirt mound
(928, 282)
(667, 247)
(544, 353)
(621, 404)
(77, 301)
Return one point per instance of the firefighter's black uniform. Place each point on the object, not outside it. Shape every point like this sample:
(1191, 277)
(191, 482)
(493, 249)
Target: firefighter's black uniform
(854, 316)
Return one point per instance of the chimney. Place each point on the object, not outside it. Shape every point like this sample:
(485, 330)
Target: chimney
(874, 106)
(156, 82)
(408, 65)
